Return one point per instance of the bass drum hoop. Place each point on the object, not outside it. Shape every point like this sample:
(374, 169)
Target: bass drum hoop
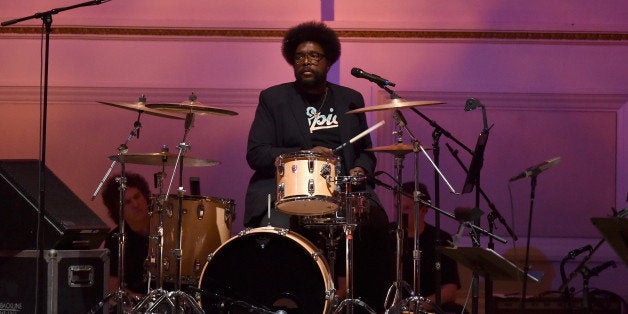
(265, 236)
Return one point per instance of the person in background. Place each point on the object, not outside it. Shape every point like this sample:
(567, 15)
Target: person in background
(137, 229)
(450, 281)
(308, 114)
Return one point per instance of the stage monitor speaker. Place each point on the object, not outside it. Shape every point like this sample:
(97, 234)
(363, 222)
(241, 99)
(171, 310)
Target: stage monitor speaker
(68, 223)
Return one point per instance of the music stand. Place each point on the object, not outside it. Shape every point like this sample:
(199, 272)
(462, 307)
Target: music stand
(486, 262)
(615, 232)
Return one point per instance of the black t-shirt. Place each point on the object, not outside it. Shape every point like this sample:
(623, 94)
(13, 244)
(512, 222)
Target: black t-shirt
(322, 119)
(135, 253)
(449, 268)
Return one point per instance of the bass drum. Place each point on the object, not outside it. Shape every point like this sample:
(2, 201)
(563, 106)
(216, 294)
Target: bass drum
(266, 268)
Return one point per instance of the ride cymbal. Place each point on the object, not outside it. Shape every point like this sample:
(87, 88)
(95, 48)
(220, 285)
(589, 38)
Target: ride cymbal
(191, 106)
(165, 159)
(141, 108)
(396, 103)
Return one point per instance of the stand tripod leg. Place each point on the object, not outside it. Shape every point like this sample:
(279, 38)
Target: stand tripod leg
(177, 302)
(122, 302)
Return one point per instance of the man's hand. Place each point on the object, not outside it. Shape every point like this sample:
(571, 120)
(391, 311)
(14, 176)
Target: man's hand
(322, 150)
(357, 171)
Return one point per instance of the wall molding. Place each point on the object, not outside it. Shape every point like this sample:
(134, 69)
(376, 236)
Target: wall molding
(274, 34)
(517, 101)
(90, 95)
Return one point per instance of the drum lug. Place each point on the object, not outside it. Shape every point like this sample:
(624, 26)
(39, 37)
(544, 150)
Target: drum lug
(310, 165)
(166, 263)
(200, 211)
(281, 231)
(310, 186)
(280, 169)
(229, 216)
(315, 255)
(197, 266)
(280, 190)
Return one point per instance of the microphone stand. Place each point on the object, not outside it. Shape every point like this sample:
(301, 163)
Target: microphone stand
(526, 267)
(46, 17)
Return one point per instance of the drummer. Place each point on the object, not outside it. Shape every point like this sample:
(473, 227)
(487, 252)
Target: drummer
(308, 114)
(137, 229)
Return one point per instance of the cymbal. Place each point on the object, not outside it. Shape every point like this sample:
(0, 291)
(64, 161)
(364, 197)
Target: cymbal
(141, 107)
(396, 103)
(165, 159)
(399, 149)
(191, 106)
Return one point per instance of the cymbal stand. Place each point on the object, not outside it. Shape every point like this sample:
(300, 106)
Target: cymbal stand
(398, 304)
(178, 297)
(158, 207)
(350, 225)
(120, 295)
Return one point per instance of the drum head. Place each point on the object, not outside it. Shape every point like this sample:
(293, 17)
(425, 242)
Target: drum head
(265, 270)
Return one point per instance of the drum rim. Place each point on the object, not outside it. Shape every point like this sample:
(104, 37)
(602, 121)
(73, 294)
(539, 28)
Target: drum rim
(296, 155)
(326, 199)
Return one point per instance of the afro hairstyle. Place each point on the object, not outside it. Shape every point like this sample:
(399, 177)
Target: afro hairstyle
(314, 31)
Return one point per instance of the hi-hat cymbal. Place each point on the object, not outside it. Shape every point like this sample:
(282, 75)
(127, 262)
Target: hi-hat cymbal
(398, 149)
(191, 106)
(396, 103)
(141, 107)
(165, 159)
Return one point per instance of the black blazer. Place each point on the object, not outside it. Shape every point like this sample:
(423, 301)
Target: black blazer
(280, 126)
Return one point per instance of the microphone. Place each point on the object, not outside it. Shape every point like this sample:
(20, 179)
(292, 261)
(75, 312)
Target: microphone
(359, 73)
(537, 169)
(579, 251)
(399, 118)
(598, 269)
(471, 104)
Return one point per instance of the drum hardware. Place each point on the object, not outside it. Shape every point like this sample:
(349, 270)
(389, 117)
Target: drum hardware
(349, 302)
(178, 299)
(331, 227)
(397, 304)
(121, 297)
(157, 208)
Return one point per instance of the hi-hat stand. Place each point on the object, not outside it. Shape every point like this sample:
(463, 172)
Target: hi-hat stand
(120, 295)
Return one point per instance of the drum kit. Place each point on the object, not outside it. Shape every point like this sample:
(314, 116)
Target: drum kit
(190, 242)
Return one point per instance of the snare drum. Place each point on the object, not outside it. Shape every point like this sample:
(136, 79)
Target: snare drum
(206, 224)
(306, 183)
(267, 267)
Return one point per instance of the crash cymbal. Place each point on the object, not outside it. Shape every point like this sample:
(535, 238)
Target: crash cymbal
(399, 149)
(141, 107)
(165, 159)
(191, 106)
(396, 103)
